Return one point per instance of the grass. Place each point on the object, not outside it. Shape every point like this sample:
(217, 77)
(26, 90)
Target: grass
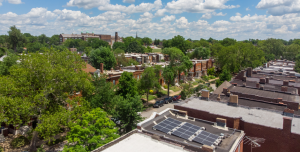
(195, 83)
(164, 92)
(150, 97)
(175, 89)
(156, 50)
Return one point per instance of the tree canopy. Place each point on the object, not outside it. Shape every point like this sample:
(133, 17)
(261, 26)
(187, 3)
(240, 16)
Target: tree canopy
(15, 36)
(119, 45)
(127, 85)
(102, 55)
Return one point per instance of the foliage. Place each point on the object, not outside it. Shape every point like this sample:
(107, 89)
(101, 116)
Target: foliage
(187, 90)
(148, 80)
(180, 43)
(76, 148)
(169, 75)
(97, 43)
(135, 47)
(291, 52)
(272, 46)
(34, 47)
(148, 49)
(219, 82)
(54, 40)
(94, 129)
(151, 91)
(8, 61)
(88, 50)
(19, 142)
(147, 40)
(165, 86)
(156, 42)
(167, 43)
(201, 43)
(1, 149)
(40, 86)
(201, 52)
(211, 71)
(127, 85)
(225, 75)
(128, 40)
(103, 96)
(228, 41)
(119, 45)
(102, 55)
(127, 112)
(239, 56)
(119, 51)
(15, 36)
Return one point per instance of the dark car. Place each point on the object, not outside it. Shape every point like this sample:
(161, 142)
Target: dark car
(177, 97)
(158, 104)
(168, 100)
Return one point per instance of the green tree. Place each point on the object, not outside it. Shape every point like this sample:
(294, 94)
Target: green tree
(297, 66)
(169, 75)
(128, 40)
(157, 70)
(147, 40)
(180, 43)
(88, 50)
(291, 52)
(119, 51)
(167, 43)
(228, 41)
(34, 47)
(127, 85)
(272, 46)
(102, 55)
(201, 52)
(96, 43)
(211, 71)
(224, 76)
(43, 38)
(94, 129)
(44, 82)
(148, 80)
(135, 47)
(7, 62)
(54, 40)
(127, 113)
(148, 49)
(15, 36)
(119, 45)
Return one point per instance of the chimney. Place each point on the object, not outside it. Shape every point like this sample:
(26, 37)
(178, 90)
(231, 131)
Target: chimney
(101, 67)
(287, 125)
(221, 122)
(249, 72)
(116, 36)
(284, 88)
(219, 98)
(288, 112)
(267, 79)
(111, 69)
(262, 80)
(225, 91)
(205, 94)
(286, 83)
(257, 85)
(234, 99)
(207, 148)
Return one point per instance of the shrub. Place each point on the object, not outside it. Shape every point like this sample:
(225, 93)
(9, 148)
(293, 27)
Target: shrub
(183, 95)
(218, 83)
(19, 142)
(211, 71)
(151, 91)
(181, 81)
(1, 149)
(165, 86)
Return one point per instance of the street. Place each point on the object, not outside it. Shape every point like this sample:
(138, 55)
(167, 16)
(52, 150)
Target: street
(148, 112)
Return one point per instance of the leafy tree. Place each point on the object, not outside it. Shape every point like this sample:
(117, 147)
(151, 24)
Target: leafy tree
(148, 80)
(119, 45)
(210, 40)
(180, 43)
(228, 41)
(15, 36)
(94, 129)
(43, 38)
(127, 113)
(211, 71)
(167, 43)
(119, 51)
(102, 55)
(8, 61)
(34, 47)
(88, 50)
(291, 52)
(169, 76)
(44, 82)
(215, 48)
(187, 90)
(54, 40)
(135, 47)
(297, 66)
(147, 40)
(127, 85)
(128, 40)
(157, 70)
(203, 53)
(156, 42)
(72, 43)
(272, 46)
(96, 43)
(224, 76)
(148, 49)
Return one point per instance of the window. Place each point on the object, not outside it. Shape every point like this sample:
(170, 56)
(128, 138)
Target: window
(141, 76)
(114, 82)
(138, 77)
(65, 38)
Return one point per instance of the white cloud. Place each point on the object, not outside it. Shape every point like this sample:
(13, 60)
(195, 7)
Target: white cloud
(1, 2)
(87, 4)
(283, 30)
(128, 1)
(197, 6)
(209, 15)
(143, 7)
(15, 1)
(247, 9)
(238, 14)
(168, 18)
(280, 7)
(182, 23)
(160, 12)
(247, 18)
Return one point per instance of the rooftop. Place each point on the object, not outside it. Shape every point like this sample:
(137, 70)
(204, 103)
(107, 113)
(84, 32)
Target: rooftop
(251, 115)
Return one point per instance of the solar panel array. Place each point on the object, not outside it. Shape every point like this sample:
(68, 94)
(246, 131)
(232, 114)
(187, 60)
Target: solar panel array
(186, 131)
(167, 125)
(206, 138)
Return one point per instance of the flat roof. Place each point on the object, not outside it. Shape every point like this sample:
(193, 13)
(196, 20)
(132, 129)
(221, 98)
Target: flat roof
(226, 144)
(256, 116)
(138, 142)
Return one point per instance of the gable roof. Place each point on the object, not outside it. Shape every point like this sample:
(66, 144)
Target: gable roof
(219, 90)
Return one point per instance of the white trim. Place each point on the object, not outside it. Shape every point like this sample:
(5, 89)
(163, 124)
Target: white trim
(146, 120)
(237, 142)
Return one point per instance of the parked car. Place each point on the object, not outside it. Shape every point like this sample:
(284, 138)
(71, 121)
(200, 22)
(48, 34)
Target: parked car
(158, 104)
(168, 100)
(177, 97)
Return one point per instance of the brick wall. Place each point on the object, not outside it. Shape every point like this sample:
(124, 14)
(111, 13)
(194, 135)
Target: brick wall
(276, 140)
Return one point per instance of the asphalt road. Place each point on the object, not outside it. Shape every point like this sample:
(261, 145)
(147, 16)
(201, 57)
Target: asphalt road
(149, 112)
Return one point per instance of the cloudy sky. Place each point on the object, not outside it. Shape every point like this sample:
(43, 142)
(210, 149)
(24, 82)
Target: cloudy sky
(163, 19)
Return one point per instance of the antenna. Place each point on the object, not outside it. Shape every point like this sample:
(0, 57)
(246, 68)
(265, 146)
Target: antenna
(253, 141)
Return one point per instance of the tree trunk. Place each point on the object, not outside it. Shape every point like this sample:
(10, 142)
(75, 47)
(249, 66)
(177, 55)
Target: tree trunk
(147, 97)
(15, 48)
(168, 89)
(32, 147)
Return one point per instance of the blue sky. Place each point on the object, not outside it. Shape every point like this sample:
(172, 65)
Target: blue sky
(163, 19)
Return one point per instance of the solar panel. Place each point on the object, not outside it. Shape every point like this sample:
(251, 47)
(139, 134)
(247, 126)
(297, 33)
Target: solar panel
(206, 138)
(167, 125)
(186, 131)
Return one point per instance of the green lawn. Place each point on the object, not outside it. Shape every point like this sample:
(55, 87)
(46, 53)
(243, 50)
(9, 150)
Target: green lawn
(150, 97)
(156, 50)
(195, 83)
(164, 92)
(175, 89)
